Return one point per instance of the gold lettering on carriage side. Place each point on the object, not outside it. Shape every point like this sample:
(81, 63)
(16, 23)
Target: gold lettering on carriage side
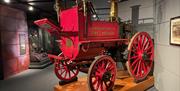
(103, 33)
(102, 28)
(108, 33)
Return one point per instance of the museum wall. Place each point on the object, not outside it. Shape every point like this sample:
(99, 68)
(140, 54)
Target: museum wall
(167, 57)
(146, 20)
(102, 13)
(145, 11)
(14, 41)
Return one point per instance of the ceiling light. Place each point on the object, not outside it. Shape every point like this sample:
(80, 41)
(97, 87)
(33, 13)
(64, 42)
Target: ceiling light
(94, 16)
(32, 3)
(7, 1)
(31, 8)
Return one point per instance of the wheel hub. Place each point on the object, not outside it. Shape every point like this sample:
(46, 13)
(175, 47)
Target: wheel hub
(70, 66)
(140, 54)
(106, 76)
(145, 56)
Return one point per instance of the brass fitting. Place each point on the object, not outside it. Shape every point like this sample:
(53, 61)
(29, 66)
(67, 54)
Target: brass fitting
(58, 7)
(114, 10)
(84, 7)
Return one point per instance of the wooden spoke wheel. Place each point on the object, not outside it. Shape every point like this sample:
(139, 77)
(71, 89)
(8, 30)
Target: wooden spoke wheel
(102, 74)
(66, 70)
(140, 56)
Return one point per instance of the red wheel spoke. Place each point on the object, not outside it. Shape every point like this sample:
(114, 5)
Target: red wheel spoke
(135, 47)
(144, 68)
(106, 84)
(143, 40)
(101, 86)
(65, 75)
(103, 65)
(140, 42)
(73, 72)
(139, 67)
(69, 73)
(99, 65)
(60, 65)
(110, 67)
(148, 48)
(145, 44)
(149, 53)
(98, 84)
(133, 57)
(57, 68)
(95, 81)
(135, 68)
(62, 72)
(134, 51)
(134, 62)
(98, 71)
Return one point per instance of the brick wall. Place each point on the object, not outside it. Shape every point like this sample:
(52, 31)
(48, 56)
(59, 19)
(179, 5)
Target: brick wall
(12, 25)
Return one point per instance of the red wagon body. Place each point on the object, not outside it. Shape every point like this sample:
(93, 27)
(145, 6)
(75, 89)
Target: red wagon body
(72, 23)
(83, 40)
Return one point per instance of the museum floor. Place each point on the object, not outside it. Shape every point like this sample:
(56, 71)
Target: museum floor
(34, 80)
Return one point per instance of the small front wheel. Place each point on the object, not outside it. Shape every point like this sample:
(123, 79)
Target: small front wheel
(102, 74)
(66, 70)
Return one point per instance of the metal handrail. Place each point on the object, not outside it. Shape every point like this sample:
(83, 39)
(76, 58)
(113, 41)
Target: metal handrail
(141, 21)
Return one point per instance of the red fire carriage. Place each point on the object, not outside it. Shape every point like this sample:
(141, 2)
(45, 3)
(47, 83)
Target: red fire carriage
(99, 43)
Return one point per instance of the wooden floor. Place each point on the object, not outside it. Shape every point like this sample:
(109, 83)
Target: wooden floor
(122, 83)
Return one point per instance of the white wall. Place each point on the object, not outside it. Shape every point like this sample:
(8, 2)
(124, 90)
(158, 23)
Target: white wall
(167, 57)
(146, 9)
(102, 4)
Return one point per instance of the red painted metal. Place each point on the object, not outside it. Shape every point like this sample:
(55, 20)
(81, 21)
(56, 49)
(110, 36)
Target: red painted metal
(141, 55)
(69, 23)
(98, 30)
(102, 74)
(45, 24)
(52, 57)
(72, 31)
(104, 40)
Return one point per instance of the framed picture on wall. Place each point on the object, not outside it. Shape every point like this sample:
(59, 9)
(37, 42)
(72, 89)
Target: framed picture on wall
(22, 43)
(175, 31)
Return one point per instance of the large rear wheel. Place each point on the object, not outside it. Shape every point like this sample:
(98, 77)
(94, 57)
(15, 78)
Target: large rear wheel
(140, 56)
